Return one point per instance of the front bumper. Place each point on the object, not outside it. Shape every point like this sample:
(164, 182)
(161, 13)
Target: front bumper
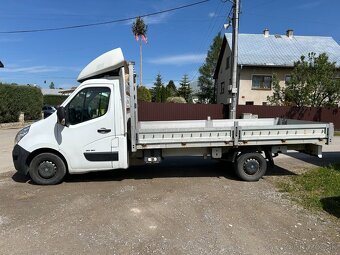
(20, 156)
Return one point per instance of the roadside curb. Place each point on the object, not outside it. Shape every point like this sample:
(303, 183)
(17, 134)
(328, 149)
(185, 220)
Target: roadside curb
(14, 125)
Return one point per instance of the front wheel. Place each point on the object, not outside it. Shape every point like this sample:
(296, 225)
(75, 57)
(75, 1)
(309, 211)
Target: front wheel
(250, 166)
(47, 169)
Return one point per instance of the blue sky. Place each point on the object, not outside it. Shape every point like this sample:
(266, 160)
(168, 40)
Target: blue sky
(177, 41)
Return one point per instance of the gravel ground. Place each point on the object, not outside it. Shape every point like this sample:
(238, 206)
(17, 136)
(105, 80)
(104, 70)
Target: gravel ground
(6, 146)
(183, 206)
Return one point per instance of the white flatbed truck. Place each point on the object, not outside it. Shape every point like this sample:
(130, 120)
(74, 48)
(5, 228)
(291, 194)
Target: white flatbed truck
(97, 129)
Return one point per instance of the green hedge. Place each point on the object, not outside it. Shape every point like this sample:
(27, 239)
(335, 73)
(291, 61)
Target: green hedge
(15, 99)
(54, 100)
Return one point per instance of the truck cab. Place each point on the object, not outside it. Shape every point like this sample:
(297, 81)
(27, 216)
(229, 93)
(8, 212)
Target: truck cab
(88, 132)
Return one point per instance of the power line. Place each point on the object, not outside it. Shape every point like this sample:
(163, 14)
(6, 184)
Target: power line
(102, 23)
(210, 30)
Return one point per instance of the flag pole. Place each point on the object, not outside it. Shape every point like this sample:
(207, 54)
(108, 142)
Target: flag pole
(141, 64)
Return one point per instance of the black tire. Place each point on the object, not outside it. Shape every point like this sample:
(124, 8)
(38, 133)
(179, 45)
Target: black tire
(250, 166)
(47, 169)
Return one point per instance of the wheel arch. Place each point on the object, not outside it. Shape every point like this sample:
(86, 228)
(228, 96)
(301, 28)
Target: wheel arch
(43, 150)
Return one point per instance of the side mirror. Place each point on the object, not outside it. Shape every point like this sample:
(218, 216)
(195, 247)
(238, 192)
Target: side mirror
(61, 115)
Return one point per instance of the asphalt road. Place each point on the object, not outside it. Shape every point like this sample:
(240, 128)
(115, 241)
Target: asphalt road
(183, 206)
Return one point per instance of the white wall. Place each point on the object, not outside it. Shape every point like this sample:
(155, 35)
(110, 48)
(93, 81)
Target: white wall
(246, 92)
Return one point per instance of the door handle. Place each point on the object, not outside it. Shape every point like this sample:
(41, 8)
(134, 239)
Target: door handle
(103, 130)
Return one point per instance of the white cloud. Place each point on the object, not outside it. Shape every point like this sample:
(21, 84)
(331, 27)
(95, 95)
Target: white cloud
(178, 59)
(212, 14)
(31, 69)
(309, 5)
(37, 69)
(9, 40)
(156, 19)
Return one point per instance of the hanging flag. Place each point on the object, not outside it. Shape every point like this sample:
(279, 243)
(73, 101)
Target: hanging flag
(144, 38)
(137, 38)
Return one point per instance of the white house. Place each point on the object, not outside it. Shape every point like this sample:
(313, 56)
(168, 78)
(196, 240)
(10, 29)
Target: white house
(262, 55)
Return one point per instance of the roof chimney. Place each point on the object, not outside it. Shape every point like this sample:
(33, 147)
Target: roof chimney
(266, 32)
(290, 33)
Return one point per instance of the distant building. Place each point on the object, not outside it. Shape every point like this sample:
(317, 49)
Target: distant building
(51, 91)
(262, 55)
(67, 92)
(58, 92)
(194, 91)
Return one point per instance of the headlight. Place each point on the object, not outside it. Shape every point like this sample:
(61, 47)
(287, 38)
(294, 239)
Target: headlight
(21, 134)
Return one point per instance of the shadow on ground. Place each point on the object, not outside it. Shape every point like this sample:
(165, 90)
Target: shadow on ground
(172, 167)
(331, 205)
(18, 177)
(327, 158)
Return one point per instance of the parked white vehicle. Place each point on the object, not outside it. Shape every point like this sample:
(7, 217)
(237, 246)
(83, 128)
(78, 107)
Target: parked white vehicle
(97, 129)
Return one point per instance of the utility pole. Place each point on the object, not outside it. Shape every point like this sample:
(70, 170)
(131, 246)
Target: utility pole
(236, 12)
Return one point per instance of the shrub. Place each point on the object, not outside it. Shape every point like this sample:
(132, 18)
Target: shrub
(178, 100)
(54, 100)
(143, 94)
(15, 99)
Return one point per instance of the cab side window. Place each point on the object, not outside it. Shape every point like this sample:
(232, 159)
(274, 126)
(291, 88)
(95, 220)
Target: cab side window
(88, 104)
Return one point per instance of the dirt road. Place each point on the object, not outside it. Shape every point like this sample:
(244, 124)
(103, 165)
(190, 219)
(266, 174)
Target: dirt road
(6, 146)
(187, 206)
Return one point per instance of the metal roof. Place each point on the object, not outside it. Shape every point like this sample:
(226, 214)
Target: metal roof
(51, 91)
(280, 50)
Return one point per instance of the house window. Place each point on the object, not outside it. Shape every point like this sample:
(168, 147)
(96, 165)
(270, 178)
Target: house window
(227, 64)
(249, 102)
(288, 77)
(262, 82)
(222, 88)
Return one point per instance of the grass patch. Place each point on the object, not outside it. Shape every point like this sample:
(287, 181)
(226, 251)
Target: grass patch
(337, 133)
(317, 189)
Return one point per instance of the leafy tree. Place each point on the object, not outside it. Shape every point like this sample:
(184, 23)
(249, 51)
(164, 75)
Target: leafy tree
(139, 30)
(157, 89)
(184, 90)
(312, 83)
(278, 97)
(52, 85)
(205, 80)
(171, 89)
(164, 94)
(143, 94)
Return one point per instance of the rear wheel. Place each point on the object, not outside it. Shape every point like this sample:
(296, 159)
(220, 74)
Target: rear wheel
(250, 166)
(47, 169)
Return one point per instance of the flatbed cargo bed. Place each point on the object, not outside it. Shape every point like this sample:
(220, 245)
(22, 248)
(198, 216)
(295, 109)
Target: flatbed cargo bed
(239, 132)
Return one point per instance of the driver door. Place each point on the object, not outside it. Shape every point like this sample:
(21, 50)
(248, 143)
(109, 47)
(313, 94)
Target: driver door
(88, 138)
